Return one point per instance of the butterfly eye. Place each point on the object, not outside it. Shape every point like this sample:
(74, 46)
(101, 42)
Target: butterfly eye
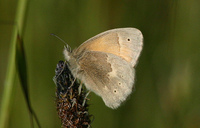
(129, 39)
(114, 90)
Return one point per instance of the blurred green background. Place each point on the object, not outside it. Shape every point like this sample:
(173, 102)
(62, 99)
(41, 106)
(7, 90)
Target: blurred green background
(167, 76)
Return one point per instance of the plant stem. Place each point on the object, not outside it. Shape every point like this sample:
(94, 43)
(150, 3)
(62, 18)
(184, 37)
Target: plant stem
(11, 69)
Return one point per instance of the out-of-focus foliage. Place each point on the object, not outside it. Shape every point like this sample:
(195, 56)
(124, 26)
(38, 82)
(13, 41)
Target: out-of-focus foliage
(167, 79)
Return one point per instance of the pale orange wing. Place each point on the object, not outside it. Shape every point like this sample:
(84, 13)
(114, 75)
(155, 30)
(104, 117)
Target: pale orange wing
(124, 42)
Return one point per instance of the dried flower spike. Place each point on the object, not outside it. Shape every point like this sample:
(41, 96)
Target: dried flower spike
(69, 99)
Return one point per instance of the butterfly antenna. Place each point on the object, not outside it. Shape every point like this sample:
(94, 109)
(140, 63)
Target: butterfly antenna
(67, 46)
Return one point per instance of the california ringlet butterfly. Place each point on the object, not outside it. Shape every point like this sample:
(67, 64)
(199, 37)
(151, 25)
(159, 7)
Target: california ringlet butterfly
(106, 63)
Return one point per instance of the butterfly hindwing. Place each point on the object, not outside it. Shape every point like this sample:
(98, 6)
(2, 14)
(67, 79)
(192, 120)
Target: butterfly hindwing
(108, 75)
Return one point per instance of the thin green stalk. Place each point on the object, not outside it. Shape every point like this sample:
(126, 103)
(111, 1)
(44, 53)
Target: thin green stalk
(11, 69)
(9, 82)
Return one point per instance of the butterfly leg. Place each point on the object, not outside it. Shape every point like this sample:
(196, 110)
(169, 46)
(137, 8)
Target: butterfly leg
(55, 78)
(73, 102)
(59, 70)
(72, 83)
(79, 88)
(85, 98)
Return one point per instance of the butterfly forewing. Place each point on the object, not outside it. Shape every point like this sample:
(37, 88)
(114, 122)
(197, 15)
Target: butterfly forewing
(124, 42)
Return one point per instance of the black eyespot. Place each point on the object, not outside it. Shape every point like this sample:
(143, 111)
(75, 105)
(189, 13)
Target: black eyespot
(114, 90)
(119, 83)
(129, 39)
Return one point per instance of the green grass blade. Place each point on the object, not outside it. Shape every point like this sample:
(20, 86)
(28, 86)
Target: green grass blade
(9, 82)
(23, 76)
(17, 56)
